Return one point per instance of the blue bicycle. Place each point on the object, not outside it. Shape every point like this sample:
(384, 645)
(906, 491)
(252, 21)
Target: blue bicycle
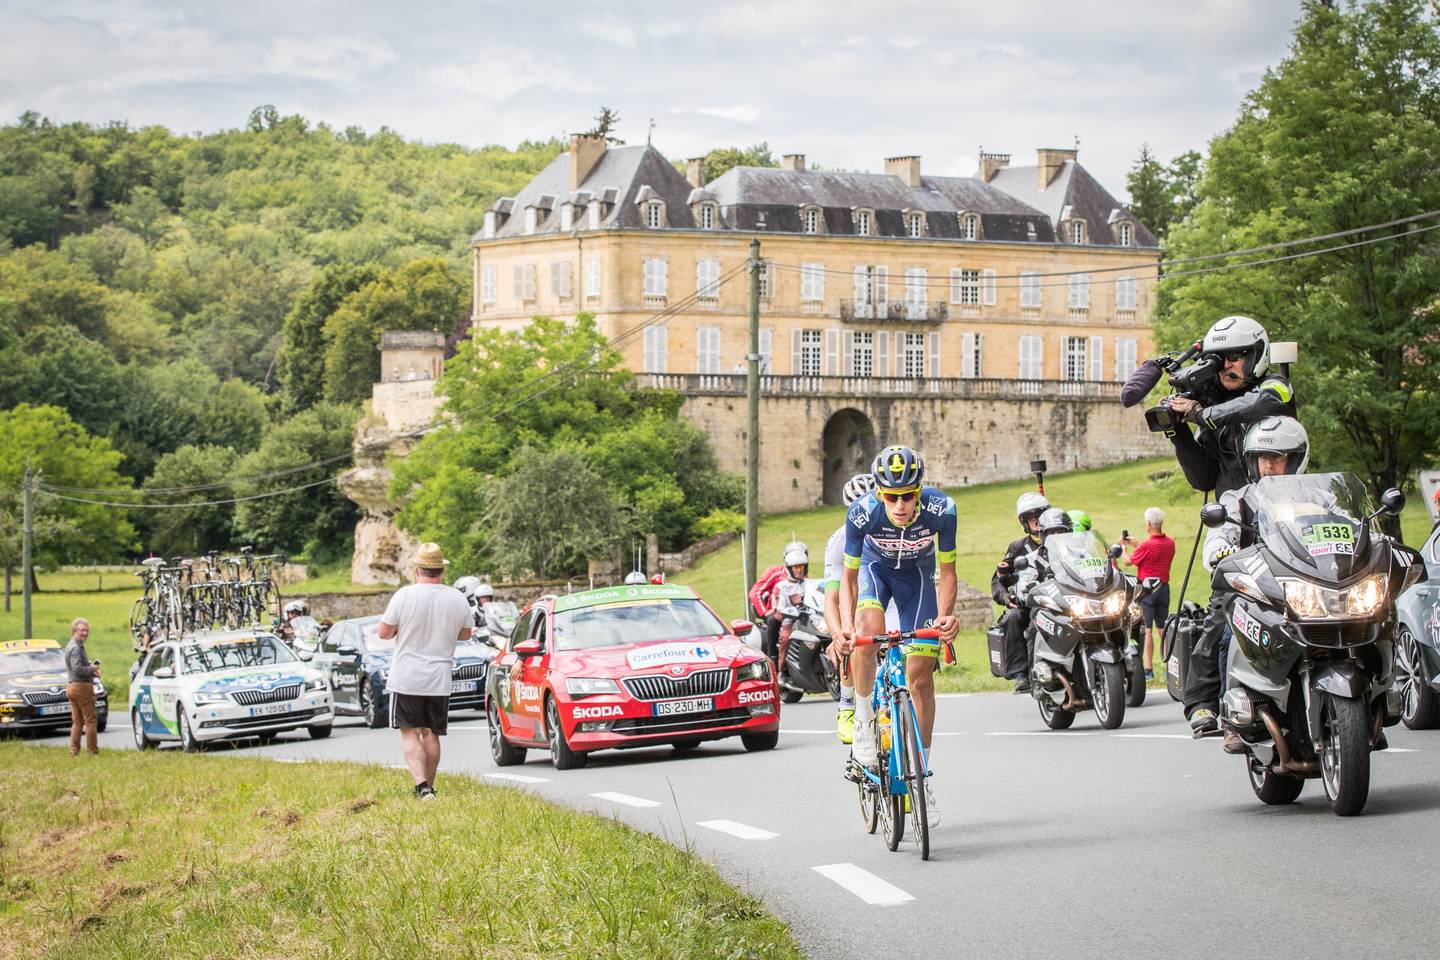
(898, 788)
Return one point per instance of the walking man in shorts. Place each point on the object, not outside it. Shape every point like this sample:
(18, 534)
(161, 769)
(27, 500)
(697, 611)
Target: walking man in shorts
(427, 619)
(1153, 558)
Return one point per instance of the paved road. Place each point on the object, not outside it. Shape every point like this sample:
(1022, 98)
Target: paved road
(1084, 843)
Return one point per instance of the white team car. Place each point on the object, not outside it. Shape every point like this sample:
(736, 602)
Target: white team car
(226, 684)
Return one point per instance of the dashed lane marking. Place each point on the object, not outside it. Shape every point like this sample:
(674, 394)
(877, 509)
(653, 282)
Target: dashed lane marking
(1042, 733)
(742, 830)
(864, 884)
(625, 799)
(1154, 736)
(514, 777)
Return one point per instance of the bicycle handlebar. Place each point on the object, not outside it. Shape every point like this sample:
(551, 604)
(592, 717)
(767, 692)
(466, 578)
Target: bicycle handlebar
(898, 636)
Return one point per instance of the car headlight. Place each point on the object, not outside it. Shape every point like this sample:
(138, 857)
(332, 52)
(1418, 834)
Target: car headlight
(1309, 601)
(590, 686)
(1244, 583)
(202, 698)
(754, 670)
(317, 684)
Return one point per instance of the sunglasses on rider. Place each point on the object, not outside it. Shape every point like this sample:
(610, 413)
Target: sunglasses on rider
(1231, 356)
(899, 496)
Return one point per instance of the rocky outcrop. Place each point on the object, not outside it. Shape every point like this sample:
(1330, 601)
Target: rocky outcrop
(381, 548)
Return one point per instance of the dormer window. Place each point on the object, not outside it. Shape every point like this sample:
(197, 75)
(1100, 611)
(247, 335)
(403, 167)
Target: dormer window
(654, 214)
(707, 216)
(1077, 231)
(810, 219)
(1124, 235)
(969, 226)
(864, 219)
(915, 224)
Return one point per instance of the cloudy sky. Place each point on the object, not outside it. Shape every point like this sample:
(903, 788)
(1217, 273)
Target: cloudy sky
(846, 83)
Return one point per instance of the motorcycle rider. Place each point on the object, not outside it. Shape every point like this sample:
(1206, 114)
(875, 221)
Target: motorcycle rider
(1016, 618)
(895, 539)
(762, 600)
(789, 594)
(1273, 447)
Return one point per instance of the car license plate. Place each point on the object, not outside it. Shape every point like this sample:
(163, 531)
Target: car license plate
(271, 708)
(463, 686)
(53, 709)
(673, 707)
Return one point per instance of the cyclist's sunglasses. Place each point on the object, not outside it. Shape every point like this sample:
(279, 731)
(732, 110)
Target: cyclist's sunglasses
(899, 496)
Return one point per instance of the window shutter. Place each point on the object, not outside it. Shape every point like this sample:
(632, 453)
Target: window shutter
(989, 287)
(663, 275)
(795, 352)
(861, 292)
(882, 353)
(954, 284)
(1097, 357)
(832, 352)
(519, 275)
(979, 354)
(702, 349)
(529, 281)
(847, 360)
(882, 292)
(934, 350)
(567, 287)
(766, 341)
(555, 278)
(662, 348)
(967, 355)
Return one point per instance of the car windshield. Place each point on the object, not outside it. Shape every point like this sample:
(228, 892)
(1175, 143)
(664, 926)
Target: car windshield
(636, 621)
(1315, 519)
(370, 634)
(240, 652)
(305, 628)
(1079, 557)
(500, 616)
(48, 660)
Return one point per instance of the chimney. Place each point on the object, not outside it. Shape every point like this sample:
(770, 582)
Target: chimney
(695, 172)
(1049, 160)
(991, 163)
(906, 168)
(792, 161)
(585, 152)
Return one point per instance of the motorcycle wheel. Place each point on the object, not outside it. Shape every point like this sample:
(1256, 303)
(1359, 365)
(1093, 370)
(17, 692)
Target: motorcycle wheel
(1422, 705)
(1135, 686)
(832, 684)
(1108, 691)
(1276, 789)
(1345, 754)
(791, 696)
(1054, 717)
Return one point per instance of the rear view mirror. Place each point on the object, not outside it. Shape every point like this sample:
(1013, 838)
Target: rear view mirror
(346, 650)
(1115, 551)
(527, 648)
(1392, 501)
(1214, 515)
(741, 627)
(1020, 562)
(165, 673)
(306, 655)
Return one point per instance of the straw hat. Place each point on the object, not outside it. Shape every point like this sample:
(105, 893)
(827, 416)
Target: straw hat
(429, 556)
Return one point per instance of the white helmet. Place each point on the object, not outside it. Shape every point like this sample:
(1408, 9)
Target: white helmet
(792, 545)
(296, 607)
(856, 487)
(1276, 435)
(797, 556)
(635, 577)
(484, 591)
(467, 586)
(1237, 334)
(1028, 504)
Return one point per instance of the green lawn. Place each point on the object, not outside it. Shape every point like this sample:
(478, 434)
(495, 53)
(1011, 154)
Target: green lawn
(1115, 497)
(168, 854)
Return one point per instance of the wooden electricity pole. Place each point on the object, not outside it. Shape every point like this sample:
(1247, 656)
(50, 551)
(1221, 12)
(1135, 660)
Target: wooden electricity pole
(27, 547)
(752, 422)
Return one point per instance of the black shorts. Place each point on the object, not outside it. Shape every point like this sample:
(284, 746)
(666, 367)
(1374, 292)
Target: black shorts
(1156, 607)
(411, 710)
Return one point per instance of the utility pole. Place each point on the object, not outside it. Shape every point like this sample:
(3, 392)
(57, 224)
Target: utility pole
(752, 423)
(27, 545)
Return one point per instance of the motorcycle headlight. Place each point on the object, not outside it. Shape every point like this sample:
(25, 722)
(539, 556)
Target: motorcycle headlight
(317, 684)
(589, 686)
(201, 698)
(1366, 596)
(754, 670)
(1309, 601)
(1244, 583)
(1114, 603)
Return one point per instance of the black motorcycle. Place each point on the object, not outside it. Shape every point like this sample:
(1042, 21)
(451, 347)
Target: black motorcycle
(808, 667)
(1311, 607)
(1082, 619)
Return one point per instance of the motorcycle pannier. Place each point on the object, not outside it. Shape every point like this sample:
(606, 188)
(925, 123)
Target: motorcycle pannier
(995, 638)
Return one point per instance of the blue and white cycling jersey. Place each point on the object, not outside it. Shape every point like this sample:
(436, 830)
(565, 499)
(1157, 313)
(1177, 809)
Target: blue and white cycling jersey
(871, 537)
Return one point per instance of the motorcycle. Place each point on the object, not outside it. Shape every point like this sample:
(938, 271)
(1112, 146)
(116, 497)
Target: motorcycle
(1082, 619)
(1311, 607)
(493, 623)
(808, 667)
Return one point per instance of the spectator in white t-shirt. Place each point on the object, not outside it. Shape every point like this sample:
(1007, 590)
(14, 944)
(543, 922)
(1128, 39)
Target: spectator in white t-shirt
(427, 619)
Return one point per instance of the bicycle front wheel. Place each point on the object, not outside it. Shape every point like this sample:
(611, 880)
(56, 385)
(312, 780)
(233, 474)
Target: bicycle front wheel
(869, 804)
(912, 764)
(892, 772)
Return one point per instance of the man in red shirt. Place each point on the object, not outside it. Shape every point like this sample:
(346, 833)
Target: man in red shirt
(1153, 559)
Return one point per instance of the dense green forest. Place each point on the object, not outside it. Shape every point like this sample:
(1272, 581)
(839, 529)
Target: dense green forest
(207, 306)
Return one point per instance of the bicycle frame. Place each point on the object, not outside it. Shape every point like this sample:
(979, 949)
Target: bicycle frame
(890, 680)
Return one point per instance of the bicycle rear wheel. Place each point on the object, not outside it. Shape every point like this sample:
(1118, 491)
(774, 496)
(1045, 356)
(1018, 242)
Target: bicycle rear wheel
(893, 803)
(869, 804)
(912, 765)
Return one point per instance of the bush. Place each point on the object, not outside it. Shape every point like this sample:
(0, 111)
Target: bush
(716, 521)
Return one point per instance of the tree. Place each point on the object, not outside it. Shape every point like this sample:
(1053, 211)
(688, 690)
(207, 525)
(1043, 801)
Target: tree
(605, 123)
(318, 520)
(300, 364)
(64, 455)
(145, 215)
(192, 531)
(722, 159)
(1344, 133)
(1150, 193)
(553, 513)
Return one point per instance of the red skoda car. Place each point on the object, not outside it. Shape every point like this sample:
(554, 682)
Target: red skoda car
(631, 666)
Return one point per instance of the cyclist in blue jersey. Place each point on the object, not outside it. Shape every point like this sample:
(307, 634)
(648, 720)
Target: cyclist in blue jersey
(894, 539)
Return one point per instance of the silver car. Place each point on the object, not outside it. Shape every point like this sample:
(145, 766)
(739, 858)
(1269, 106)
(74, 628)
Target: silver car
(1417, 647)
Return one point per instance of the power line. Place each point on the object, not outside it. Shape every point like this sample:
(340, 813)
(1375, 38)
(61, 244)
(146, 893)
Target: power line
(196, 487)
(184, 506)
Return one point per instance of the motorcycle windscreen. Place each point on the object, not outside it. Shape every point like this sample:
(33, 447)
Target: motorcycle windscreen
(1315, 523)
(1081, 561)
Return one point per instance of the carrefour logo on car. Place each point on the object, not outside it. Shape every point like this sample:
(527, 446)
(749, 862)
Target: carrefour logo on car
(756, 696)
(596, 713)
(664, 653)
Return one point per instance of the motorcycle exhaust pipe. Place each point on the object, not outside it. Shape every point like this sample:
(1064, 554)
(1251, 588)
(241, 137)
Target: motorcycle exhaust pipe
(1285, 763)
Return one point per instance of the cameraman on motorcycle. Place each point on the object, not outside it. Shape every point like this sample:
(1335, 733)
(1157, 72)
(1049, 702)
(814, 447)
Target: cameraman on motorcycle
(1274, 446)
(1016, 618)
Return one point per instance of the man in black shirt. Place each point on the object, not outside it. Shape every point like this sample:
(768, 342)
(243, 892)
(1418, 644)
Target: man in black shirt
(1017, 618)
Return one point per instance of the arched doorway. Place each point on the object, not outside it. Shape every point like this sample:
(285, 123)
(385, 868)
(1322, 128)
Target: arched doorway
(849, 446)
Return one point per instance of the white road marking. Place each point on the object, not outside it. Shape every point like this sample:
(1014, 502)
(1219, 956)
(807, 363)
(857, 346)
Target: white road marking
(742, 830)
(1399, 750)
(864, 884)
(1042, 733)
(831, 731)
(287, 759)
(514, 777)
(1154, 736)
(626, 799)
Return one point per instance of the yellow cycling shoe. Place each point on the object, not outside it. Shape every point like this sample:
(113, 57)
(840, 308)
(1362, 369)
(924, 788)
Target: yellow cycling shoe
(845, 725)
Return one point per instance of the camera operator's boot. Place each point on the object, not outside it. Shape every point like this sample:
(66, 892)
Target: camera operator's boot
(1204, 723)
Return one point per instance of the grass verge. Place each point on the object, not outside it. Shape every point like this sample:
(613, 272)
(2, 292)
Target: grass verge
(167, 854)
